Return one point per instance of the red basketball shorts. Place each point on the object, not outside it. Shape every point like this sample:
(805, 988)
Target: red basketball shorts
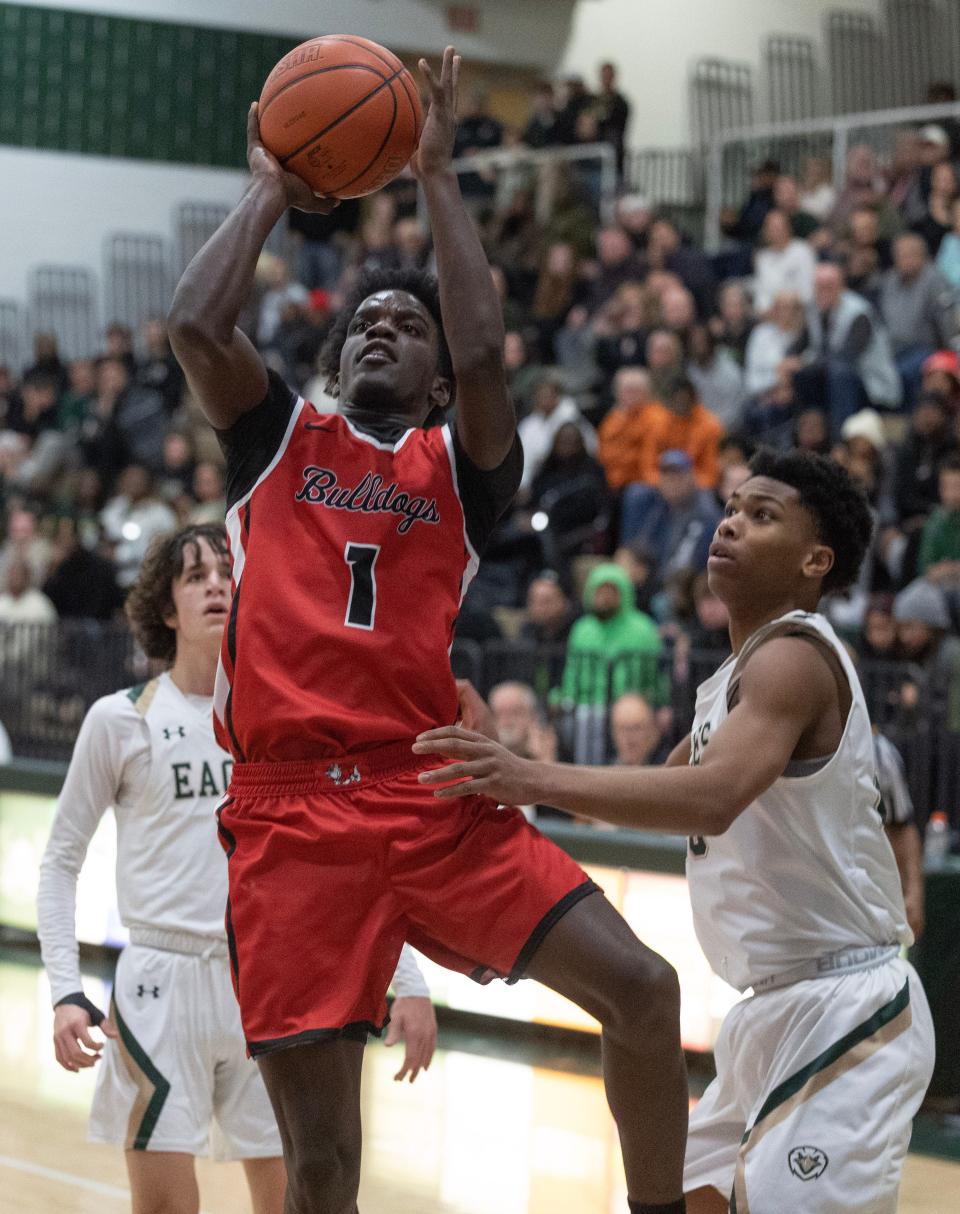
(334, 864)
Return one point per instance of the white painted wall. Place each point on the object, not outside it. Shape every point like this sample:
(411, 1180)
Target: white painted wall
(59, 208)
(654, 43)
(528, 32)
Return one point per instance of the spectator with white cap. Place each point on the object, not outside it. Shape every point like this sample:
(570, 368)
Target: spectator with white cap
(865, 440)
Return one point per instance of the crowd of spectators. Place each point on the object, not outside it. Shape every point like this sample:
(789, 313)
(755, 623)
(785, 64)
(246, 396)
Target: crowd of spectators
(644, 372)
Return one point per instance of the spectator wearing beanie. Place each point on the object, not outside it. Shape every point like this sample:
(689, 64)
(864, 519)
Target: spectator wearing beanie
(866, 441)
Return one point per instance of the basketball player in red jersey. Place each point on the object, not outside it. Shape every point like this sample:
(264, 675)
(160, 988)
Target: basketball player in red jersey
(354, 537)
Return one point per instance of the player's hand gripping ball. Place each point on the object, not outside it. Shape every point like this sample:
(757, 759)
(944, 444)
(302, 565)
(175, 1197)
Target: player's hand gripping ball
(342, 113)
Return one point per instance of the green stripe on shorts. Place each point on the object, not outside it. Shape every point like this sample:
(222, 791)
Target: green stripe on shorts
(161, 1085)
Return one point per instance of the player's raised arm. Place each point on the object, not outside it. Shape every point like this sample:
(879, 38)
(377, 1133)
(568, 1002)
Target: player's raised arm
(472, 316)
(223, 369)
(745, 756)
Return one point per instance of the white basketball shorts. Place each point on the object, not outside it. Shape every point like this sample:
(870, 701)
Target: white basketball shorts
(178, 1078)
(817, 1085)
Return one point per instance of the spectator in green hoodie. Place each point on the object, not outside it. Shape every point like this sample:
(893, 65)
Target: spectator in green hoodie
(613, 649)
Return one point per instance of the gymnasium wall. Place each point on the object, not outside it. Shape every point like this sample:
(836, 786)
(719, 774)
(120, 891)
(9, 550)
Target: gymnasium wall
(59, 208)
(655, 41)
(533, 32)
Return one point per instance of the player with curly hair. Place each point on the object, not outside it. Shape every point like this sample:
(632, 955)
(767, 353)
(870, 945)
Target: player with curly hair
(174, 1080)
(794, 887)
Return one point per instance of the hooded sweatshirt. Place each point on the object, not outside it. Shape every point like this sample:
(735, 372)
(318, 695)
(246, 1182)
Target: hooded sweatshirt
(606, 658)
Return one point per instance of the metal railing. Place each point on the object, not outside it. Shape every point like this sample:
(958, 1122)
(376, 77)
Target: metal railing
(510, 169)
(50, 674)
(732, 152)
(137, 271)
(63, 300)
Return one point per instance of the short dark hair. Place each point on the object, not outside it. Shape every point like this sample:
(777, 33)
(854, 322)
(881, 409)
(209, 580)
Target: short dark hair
(418, 283)
(151, 596)
(950, 464)
(839, 509)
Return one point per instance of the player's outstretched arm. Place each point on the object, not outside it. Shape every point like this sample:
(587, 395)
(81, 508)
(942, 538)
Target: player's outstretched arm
(223, 369)
(745, 756)
(472, 316)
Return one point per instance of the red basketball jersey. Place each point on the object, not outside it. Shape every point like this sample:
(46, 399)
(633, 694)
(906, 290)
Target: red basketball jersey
(352, 551)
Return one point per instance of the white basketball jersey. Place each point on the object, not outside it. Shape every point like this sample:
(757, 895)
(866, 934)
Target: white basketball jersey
(179, 882)
(806, 870)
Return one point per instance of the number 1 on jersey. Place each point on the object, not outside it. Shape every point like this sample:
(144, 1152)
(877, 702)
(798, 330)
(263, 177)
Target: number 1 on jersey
(362, 606)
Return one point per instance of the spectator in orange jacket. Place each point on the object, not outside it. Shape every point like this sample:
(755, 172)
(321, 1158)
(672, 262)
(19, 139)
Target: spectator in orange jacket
(682, 423)
(622, 431)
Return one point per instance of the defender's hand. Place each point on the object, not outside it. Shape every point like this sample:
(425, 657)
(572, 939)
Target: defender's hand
(482, 766)
(413, 1021)
(265, 166)
(75, 1049)
(436, 143)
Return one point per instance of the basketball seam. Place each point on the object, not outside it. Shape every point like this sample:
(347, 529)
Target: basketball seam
(393, 122)
(384, 83)
(364, 45)
(360, 44)
(319, 71)
(404, 77)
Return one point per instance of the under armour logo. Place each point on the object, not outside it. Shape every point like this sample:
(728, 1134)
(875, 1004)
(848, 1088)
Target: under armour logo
(807, 1163)
(336, 773)
(176, 731)
(143, 990)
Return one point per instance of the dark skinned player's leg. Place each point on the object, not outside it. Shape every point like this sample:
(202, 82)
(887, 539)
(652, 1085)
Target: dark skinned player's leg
(593, 958)
(315, 1093)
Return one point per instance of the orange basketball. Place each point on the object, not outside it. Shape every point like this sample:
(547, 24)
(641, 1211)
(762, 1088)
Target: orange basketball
(342, 113)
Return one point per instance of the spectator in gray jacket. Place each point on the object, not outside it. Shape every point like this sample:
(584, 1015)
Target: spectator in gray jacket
(919, 309)
(848, 362)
